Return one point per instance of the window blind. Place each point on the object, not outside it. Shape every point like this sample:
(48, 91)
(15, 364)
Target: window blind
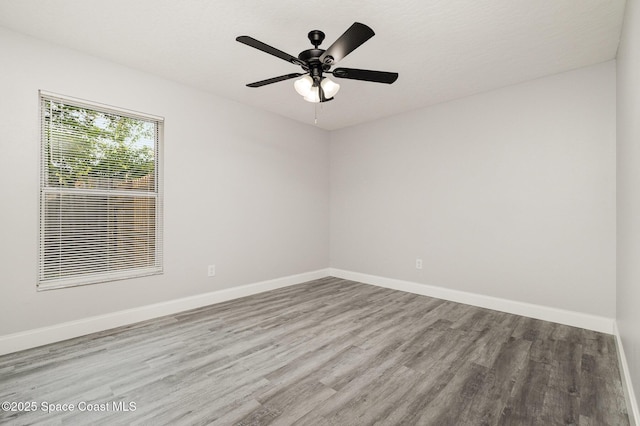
(100, 193)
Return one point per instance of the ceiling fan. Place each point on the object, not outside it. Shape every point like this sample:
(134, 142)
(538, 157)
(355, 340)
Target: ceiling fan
(313, 85)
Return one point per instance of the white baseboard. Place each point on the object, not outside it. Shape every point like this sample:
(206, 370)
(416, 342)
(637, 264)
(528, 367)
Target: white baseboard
(627, 384)
(55, 333)
(575, 319)
(42, 336)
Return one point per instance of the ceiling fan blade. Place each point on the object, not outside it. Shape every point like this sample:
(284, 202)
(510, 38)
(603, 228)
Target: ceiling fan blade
(274, 80)
(366, 75)
(355, 35)
(250, 41)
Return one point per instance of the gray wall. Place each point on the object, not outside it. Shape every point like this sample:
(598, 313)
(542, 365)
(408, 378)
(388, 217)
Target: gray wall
(508, 194)
(244, 189)
(628, 111)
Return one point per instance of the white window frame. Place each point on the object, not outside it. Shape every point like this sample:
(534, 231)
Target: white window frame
(100, 277)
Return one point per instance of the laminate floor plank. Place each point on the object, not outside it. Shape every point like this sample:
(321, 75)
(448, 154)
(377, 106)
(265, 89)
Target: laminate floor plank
(326, 352)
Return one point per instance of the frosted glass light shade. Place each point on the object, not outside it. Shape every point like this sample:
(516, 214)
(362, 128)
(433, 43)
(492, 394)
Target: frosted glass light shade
(303, 85)
(313, 96)
(329, 87)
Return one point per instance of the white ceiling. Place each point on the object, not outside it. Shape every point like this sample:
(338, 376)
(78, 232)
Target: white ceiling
(442, 49)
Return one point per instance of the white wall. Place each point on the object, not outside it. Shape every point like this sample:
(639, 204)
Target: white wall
(628, 184)
(244, 189)
(508, 194)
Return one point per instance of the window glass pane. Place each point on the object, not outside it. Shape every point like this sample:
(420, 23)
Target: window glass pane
(90, 149)
(87, 234)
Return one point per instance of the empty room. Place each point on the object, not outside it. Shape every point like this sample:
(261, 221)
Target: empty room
(320, 213)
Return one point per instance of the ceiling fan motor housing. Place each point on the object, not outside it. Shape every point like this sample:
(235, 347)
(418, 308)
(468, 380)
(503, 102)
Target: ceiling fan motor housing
(311, 57)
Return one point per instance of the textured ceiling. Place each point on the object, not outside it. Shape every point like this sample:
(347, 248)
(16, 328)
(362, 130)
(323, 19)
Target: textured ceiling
(442, 49)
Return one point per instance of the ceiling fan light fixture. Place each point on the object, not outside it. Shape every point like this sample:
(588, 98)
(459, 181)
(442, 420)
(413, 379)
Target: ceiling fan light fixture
(329, 87)
(313, 95)
(303, 86)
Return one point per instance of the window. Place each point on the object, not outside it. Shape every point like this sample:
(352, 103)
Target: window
(100, 193)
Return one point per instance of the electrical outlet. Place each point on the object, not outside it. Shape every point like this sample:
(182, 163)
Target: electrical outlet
(418, 263)
(212, 270)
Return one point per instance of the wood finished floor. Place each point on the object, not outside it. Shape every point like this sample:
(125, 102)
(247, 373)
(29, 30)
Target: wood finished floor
(327, 352)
